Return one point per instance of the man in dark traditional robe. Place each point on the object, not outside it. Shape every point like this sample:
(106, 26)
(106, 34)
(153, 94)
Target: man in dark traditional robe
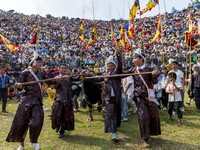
(148, 114)
(195, 85)
(30, 112)
(62, 109)
(112, 97)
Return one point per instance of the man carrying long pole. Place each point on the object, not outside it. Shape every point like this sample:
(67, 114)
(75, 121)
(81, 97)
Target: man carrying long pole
(144, 97)
(29, 114)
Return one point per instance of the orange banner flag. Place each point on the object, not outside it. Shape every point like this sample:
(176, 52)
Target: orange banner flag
(134, 9)
(81, 37)
(158, 31)
(93, 39)
(151, 4)
(12, 47)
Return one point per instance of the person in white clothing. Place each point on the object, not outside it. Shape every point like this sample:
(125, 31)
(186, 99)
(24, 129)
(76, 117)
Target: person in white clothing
(179, 79)
(128, 88)
(158, 92)
(163, 80)
(174, 98)
(198, 62)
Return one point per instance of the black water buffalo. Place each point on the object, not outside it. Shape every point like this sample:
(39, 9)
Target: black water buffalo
(92, 94)
(92, 91)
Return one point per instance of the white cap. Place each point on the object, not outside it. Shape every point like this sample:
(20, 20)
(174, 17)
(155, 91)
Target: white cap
(33, 60)
(111, 60)
(139, 52)
(194, 66)
(170, 60)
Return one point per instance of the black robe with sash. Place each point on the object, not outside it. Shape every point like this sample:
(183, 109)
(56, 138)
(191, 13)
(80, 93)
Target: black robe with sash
(30, 112)
(62, 109)
(113, 103)
(148, 112)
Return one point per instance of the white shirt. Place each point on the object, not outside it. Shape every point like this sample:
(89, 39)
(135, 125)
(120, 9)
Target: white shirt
(163, 80)
(158, 90)
(141, 67)
(125, 82)
(179, 77)
(177, 95)
(198, 64)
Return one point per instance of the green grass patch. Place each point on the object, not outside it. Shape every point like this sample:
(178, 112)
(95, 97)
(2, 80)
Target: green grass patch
(91, 136)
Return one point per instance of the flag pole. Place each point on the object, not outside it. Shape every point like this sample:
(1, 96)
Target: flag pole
(123, 10)
(38, 26)
(83, 9)
(161, 39)
(82, 44)
(109, 10)
(190, 71)
(186, 76)
(164, 6)
(93, 9)
(190, 47)
(139, 24)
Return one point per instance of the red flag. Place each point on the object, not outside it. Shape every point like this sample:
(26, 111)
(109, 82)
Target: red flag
(189, 40)
(131, 30)
(34, 37)
(189, 36)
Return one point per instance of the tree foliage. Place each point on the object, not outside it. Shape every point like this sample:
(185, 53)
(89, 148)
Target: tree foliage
(193, 3)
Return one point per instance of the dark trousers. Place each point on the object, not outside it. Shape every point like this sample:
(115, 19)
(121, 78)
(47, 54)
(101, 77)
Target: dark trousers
(197, 97)
(75, 102)
(30, 116)
(148, 118)
(182, 96)
(3, 97)
(177, 106)
(112, 118)
(164, 98)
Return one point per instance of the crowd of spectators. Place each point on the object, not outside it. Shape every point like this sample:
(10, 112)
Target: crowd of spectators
(58, 41)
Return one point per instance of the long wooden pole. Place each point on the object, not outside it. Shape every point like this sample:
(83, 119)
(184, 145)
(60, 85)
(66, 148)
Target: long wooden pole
(161, 39)
(39, 81)
(117, 75)
(87, 78)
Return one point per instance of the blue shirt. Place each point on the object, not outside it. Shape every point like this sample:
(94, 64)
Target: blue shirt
(4, 80)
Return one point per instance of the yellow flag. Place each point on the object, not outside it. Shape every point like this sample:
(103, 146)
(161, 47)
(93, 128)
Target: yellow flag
(191, 26)
(151, 4)
(134, 9)
(12, 47)
(158, 31)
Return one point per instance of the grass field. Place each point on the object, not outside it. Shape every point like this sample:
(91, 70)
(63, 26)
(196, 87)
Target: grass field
(91, 136)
